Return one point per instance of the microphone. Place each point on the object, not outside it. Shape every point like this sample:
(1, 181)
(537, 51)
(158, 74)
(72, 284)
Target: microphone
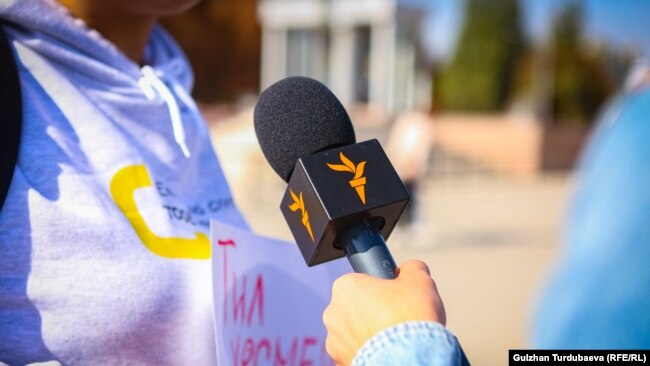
(343, 197)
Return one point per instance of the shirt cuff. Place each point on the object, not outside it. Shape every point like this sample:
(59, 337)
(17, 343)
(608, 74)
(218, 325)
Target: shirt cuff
(410, 343)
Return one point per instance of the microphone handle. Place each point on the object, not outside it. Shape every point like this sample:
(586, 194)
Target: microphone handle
(367, 251)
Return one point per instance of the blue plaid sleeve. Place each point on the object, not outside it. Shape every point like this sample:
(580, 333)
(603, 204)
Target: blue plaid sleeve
(412, 343)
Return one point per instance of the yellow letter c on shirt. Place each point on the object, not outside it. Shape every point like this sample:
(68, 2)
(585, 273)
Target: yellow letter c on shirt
(123, 186)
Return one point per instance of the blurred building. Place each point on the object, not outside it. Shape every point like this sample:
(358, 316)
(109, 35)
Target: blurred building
(367, 51)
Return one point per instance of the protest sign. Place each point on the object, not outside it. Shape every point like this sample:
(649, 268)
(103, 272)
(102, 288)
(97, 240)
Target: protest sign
(268, 304)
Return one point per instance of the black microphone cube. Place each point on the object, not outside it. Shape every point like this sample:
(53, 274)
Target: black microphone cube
(333, 189)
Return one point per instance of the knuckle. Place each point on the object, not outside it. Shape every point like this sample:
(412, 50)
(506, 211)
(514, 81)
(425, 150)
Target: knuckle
(327, 317)
(336, 286)
(331, 349)
(342, 283)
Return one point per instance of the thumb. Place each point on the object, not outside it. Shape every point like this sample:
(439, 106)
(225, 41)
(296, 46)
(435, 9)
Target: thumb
(413, 267)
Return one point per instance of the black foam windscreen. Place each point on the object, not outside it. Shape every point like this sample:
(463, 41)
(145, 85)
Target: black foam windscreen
(298, 116)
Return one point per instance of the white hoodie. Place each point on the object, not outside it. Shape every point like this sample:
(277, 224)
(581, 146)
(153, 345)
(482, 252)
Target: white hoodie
(103, 237)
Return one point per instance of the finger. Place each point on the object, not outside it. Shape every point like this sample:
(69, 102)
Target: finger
(413, 266)
(333, 350)
(331, 316)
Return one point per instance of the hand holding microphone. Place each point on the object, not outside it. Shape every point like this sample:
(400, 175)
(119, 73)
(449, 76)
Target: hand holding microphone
(343, 198)
(362, 306)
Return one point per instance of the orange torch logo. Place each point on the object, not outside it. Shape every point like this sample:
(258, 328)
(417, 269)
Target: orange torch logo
(299, 204)
(358, 181)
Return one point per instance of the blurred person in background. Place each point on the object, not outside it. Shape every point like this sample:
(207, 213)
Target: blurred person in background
(104, 232)
(409, 146)
(598, 297)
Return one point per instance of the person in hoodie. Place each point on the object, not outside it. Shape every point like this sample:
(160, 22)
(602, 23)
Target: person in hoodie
(104, 233)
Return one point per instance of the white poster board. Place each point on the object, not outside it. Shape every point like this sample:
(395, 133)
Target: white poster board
(268, 304)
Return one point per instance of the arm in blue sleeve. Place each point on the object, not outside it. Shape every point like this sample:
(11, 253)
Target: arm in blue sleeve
(599, 296)
(416, 343)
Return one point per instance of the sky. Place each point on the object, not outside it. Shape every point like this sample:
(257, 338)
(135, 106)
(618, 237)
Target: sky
(621, 23)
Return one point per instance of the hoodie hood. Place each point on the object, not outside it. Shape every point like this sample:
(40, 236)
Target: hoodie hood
(114, 83)
(49, 29)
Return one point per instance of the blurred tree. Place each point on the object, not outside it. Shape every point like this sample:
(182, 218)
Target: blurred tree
(479, 76)
(222, 40)
(580, 80)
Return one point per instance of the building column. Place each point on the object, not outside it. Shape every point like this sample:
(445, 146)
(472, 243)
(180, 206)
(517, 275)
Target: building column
(274, 51)
(382, 60)
(341, 63)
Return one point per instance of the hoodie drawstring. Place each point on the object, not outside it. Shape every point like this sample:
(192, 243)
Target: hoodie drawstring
(151, 85)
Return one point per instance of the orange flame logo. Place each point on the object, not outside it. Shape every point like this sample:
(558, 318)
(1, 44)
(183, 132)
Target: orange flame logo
(299, 204)
(358, 181)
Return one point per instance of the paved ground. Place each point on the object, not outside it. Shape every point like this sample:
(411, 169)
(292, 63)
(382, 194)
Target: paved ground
(488, 239)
